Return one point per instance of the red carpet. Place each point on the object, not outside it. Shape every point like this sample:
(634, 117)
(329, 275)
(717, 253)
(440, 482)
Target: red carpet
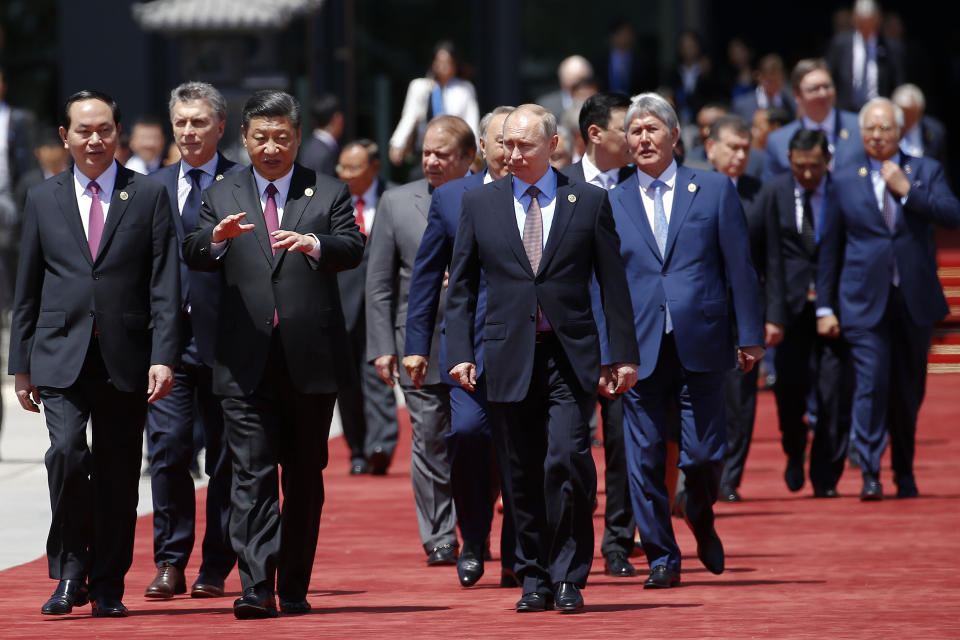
(796, 567)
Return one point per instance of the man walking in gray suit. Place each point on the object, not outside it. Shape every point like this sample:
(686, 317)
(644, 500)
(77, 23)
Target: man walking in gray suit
(448, 150)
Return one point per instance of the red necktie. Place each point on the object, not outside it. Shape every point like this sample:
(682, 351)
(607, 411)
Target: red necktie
(359, 210)
(95, 227)
(273, 223)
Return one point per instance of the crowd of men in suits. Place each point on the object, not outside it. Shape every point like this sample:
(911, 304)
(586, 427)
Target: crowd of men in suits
(504, 302)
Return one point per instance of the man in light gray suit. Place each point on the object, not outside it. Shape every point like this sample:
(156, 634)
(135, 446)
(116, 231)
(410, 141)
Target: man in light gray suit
(448, 151)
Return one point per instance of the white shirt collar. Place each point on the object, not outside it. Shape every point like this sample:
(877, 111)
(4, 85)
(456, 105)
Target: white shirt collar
(668, 177)
(590, 171)
(209, 167)
(826, 126)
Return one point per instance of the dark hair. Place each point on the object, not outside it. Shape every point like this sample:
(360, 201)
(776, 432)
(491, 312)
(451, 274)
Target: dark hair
(89, 94)
(596, 110)
(324, 108)
(466, 141)
(368, 145)
(271, 103)
(808, 139)
(729, 122)
(805, 66)
(778, 116)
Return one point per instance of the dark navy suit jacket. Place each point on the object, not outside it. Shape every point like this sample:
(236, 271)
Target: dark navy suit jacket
(707, 254)
(848, 144)
(857, 249)
(433, 258)
(199, 289)
(582, 243)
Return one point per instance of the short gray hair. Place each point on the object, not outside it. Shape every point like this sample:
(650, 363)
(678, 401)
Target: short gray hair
(488, 117)
(195, 90)
(907, 93)
(547, 119)
(652, 104)
(897, 111)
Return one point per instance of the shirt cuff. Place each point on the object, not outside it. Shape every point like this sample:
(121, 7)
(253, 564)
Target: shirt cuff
(823, 312)
(218, 249)
(313, 256)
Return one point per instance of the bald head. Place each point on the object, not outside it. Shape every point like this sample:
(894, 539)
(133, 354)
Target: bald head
(573, 70)
(529, 139)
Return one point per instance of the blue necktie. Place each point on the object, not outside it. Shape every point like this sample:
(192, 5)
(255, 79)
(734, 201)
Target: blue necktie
(191, 207)
(660, 227)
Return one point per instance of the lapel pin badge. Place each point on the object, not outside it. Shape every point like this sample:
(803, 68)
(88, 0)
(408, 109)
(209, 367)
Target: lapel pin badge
(219, 177)
(862, 172)
(124, 195)
(844, 134)
(571, 198)
(691, 187)
(907, 170)
(308, 192)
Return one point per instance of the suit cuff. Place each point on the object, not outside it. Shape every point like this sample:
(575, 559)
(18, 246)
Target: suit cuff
(219, 249)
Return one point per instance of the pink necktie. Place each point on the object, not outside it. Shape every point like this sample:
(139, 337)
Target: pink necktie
(270, 212)
(95, 228)
(273, 223)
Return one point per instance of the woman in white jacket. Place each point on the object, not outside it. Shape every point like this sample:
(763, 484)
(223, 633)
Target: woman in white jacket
(441, 92)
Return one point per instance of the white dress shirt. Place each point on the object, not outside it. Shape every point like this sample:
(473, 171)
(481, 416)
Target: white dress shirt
(765, 102)
(669, 178)
(106, 181)
(603, 179)
(859, 53)
(184, 184)
(138, 164)
(5, 182)
(370, 201)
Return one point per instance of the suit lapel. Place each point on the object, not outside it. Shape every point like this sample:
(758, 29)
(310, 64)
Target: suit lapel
(67, 199)
(249, 201)
(421, 201)
(682, 198)
(629, 194)
(506, 219)
(562, 214)
(170, 182)
(297, 201)
(124, 190)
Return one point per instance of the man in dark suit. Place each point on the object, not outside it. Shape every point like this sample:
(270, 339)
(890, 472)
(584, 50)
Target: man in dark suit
(368, 408)
(795, 206)
(95, 324)
(685, 246)
(816, 98)
(476, 468)
(448, 151)
(770, 91)
(538, 239)
(877, 283)
(280, 345)
(622, 69)
(198, 115)
(604, 165)
(321, 150)
(571, 71)
(923, 135)
(728, 150)
(865, 64)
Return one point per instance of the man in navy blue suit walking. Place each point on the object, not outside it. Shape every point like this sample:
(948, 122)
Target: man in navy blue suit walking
(878, 288)
(686, 249)
(198, 114)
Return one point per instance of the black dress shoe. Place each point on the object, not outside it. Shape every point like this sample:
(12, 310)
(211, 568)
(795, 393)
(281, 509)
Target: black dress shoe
(294, 607)
(567, 598)
(729, 494)
(68, 594)
(379, 460)
(906, 487)
(710, 550)
(169, 582)
(662, 577)
(256, 602)
(470, 565)
(616, 564)
(534, 601)
(441, 555)
(206, 588)
(825, 492)
(794, 475)
(872, 489)
(359, 467)
(508, 578)
(108, 608)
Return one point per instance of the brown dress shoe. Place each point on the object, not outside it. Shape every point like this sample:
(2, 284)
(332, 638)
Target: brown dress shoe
(206, 590)
(168, 583)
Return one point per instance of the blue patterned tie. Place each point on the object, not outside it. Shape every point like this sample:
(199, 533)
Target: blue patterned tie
(660, 226)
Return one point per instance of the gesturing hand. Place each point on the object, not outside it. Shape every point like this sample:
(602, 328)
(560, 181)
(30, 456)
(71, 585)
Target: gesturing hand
(466, 374)
(293, 241)
(230, 227)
